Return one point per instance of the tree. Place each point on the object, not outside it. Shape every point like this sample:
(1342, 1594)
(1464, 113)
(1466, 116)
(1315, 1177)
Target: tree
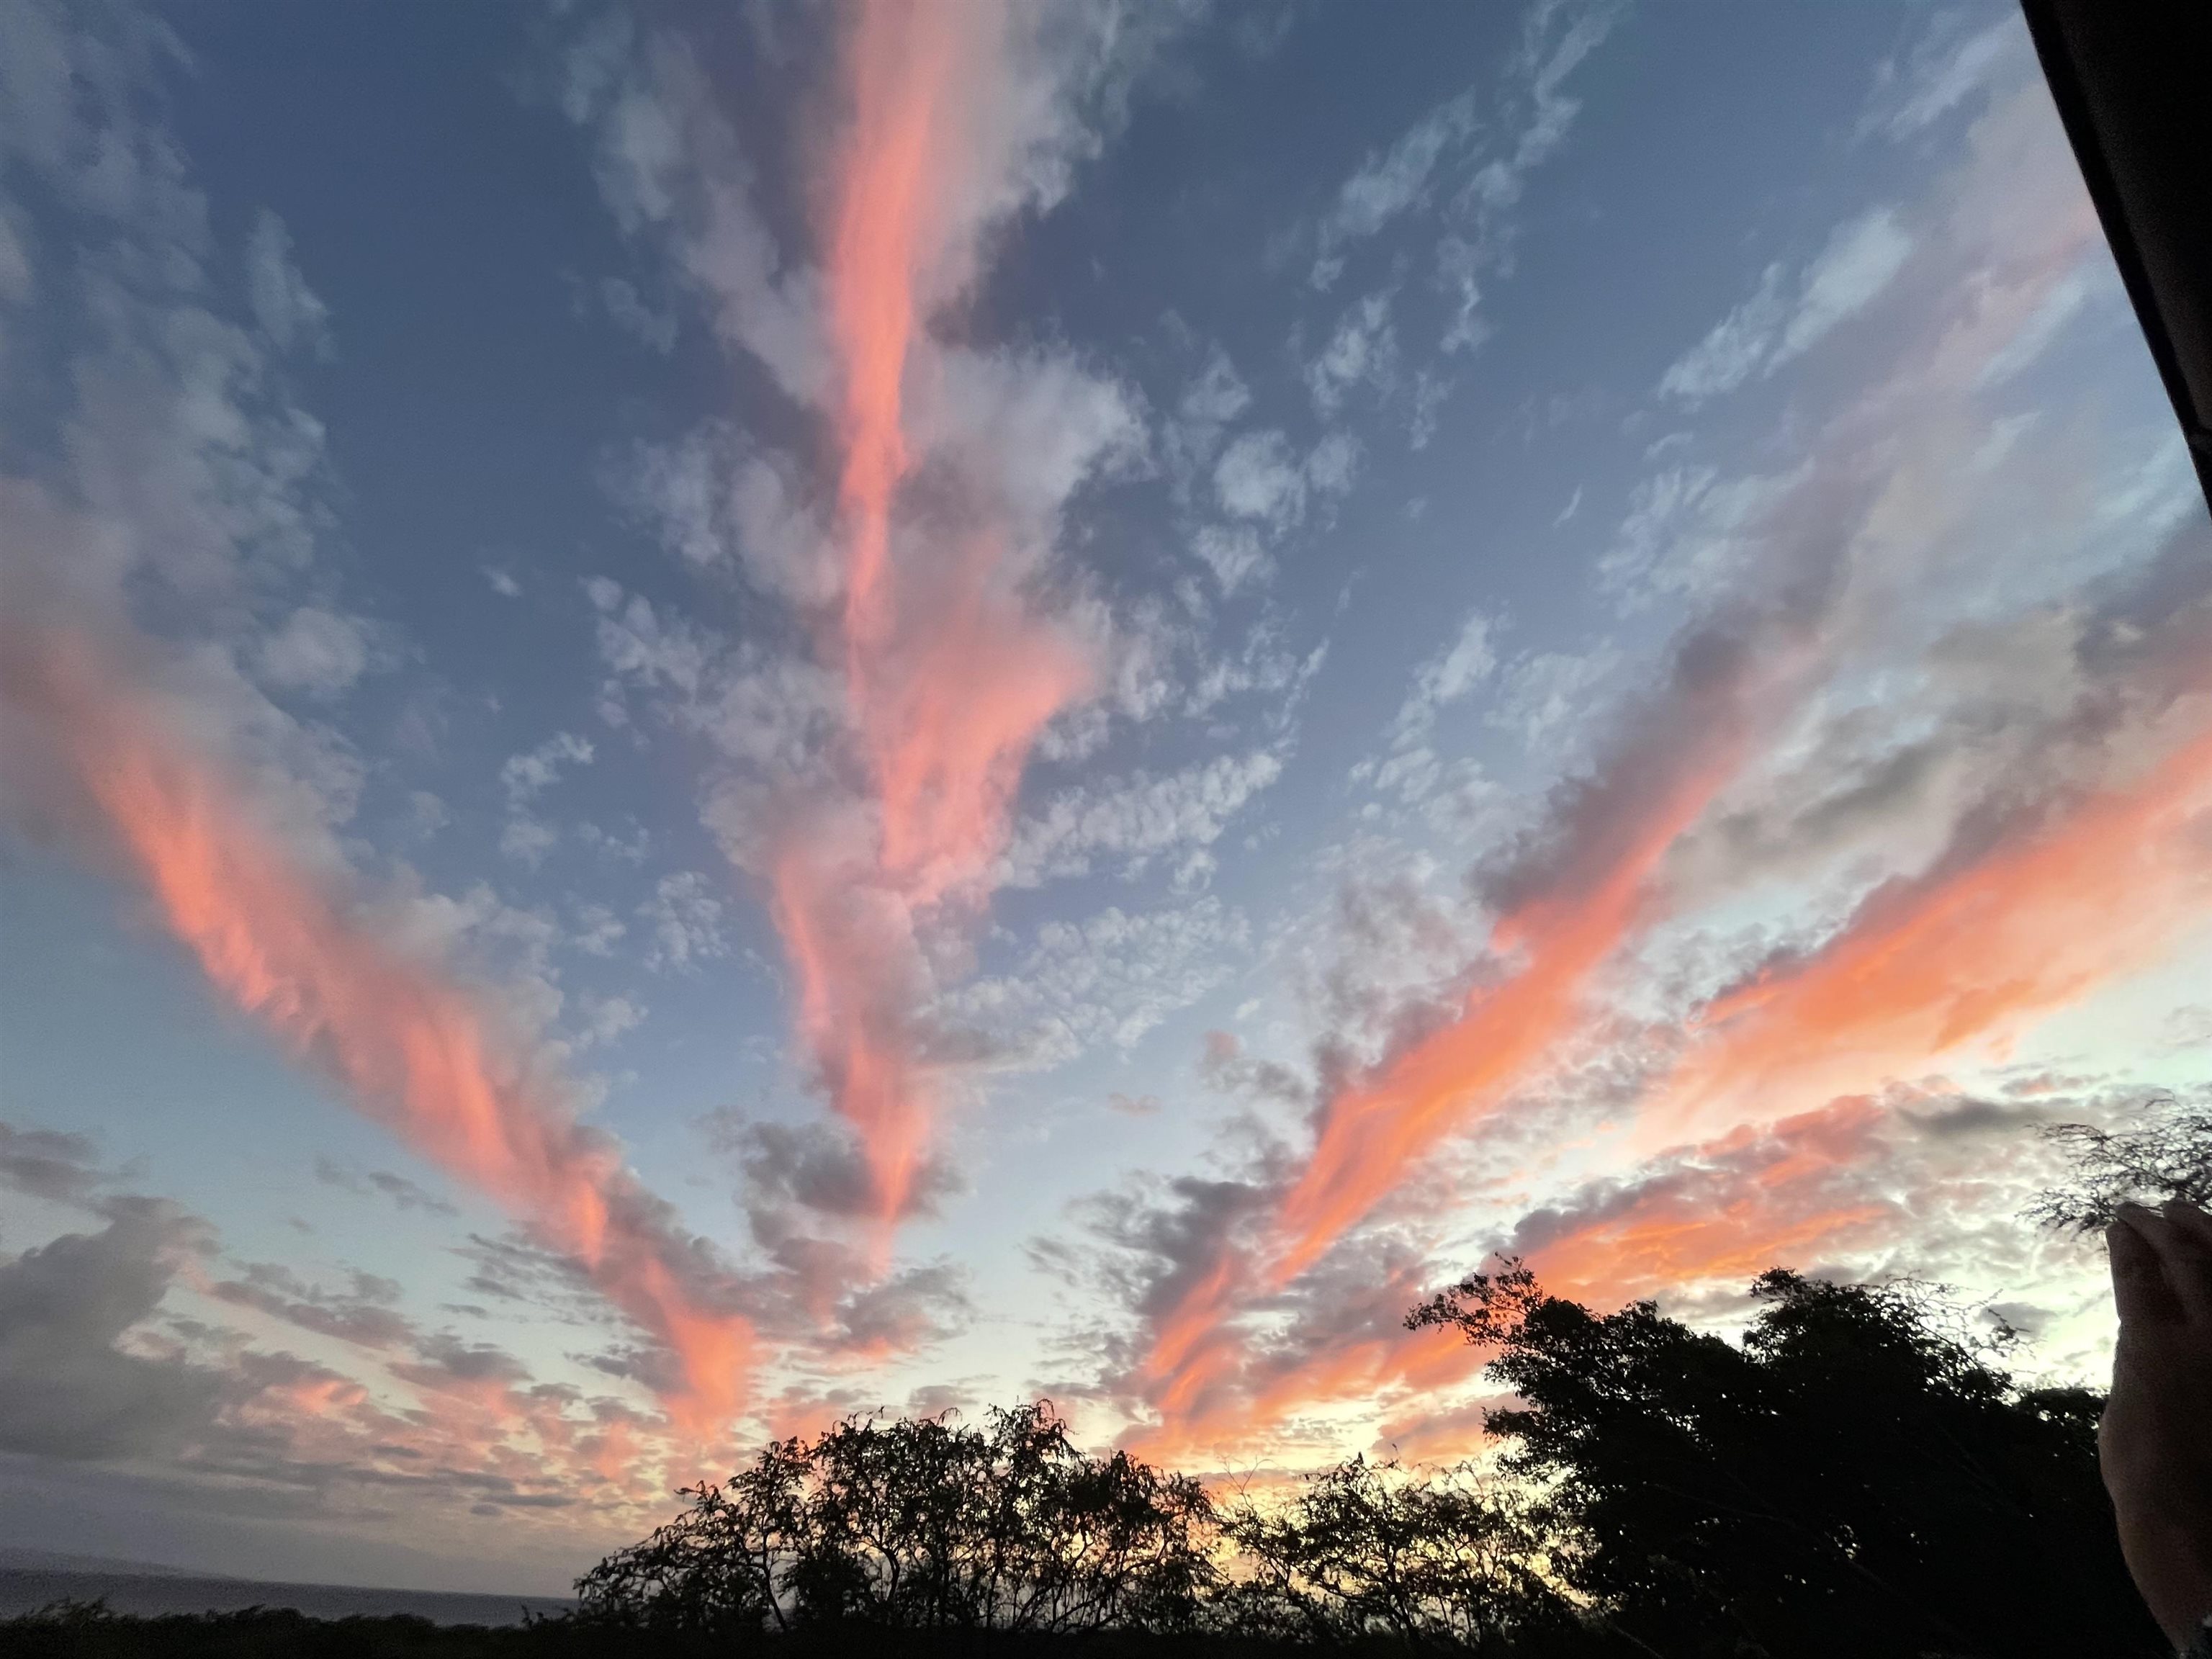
(921, 1524)
(2168, 1156)
(1447, 1560)
(1852, 1480)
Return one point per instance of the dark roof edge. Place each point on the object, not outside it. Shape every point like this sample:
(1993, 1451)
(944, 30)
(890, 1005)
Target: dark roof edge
(2130, 78)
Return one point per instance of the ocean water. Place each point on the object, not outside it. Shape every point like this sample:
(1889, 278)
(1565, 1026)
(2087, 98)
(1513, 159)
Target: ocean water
(26, 1588)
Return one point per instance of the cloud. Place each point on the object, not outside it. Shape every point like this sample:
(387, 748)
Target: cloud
(525, 838)
(284, 306)
(314, 652)
(1135, 819)
(2005, 926)
(1363, 351)
(1101, 982)
(67, 1390)
(277, 936)
(1861, 259)
(1234, 556)
(1536, 111)
(407, 1195)
(1389, 184)
(1210, 402)
(629, 313)
(525, 777)
(1448, 676)
(50, 1163)
(952, 656)
(1409, 766)
(816, 1168)
(685, 920)
(1946, 67)
(1873, 510)
(1258, 478)
(362, 1315)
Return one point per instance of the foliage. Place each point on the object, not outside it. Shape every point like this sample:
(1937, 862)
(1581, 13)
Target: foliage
(1851, 1480)
(921, 1524)
(1856, 1476)
(2168, 1156)
(1450, 1561)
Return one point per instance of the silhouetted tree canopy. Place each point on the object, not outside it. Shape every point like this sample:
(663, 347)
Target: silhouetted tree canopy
(921, 1524)
(1370, 1552)
(1854, 1480)
(1857, 1479)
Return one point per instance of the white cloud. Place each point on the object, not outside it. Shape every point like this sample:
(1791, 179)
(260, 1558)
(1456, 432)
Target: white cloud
(1481, 241)
(1387, 185)
(629, 313)
(1688, 533)
(1031, 426)
(1104, 982)
(598, 930)
(1549, 695)
(1943, 71)
(600, 1019)
(315, 652)
(1735, 349)
(1364, 351)
(1861, 259)
(1259, 478)
(1857, 264)
(1450, 674)
(527, 840)
(526, 776)
(1134, 819)
(1410, 768)
(286, 307)
(1333, 462)
(1215, 396)
(685, 920)
(1233, 554)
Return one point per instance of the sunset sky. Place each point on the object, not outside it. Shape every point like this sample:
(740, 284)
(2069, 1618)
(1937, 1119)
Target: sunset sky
(717, 714)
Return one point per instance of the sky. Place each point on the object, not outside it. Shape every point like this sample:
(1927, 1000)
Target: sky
(713, 715)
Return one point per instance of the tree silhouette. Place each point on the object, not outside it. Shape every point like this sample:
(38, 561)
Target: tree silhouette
(1449, 1560)
(921, 1524)
(1853, 1481)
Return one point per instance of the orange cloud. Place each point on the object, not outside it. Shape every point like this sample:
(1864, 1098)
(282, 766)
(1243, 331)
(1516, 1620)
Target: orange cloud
(949, 674)
(1966, 957)
(1505, 1036)
(1766, 1196)
(1237, 1401)
(411, 1048)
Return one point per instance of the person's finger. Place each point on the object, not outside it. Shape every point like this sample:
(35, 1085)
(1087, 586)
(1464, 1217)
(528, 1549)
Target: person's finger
(2191, 1219)
(2184, 1259)
(2189, 1270)
(2139, 1286)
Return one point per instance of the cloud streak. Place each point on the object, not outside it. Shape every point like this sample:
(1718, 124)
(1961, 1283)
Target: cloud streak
(1996, 935)
(950, 672)
(409, 1046)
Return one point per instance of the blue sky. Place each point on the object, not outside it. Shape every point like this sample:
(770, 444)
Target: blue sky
(1586, 627)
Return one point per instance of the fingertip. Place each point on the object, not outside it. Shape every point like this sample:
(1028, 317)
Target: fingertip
(2180, 1212)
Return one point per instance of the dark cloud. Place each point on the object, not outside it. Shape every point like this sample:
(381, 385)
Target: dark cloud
(67, 1389)
(445, 1359)
(50, 1163)
(405, 1195)
(817, 1167)
(510, 1268)
(362, 1315)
